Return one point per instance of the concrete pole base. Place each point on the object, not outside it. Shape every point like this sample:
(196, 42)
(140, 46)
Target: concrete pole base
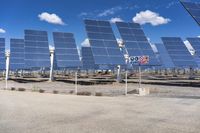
(144, 91)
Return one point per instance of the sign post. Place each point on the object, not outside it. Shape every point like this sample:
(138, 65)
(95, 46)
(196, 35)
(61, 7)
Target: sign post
(76, 83)
(7, 68)
(140, 60)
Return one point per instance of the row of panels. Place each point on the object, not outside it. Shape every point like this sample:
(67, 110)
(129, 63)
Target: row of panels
(33, 52)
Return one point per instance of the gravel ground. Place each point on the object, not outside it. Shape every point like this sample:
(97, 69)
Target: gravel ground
(115, 89)
(31, 112)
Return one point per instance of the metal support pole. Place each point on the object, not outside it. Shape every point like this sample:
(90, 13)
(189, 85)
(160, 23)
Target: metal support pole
(7, 68)
(140, 77)
(52, 63)
(76, 83)
(126, 88)
(118, 73)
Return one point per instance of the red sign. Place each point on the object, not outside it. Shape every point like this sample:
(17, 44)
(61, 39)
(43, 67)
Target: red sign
(144, 60)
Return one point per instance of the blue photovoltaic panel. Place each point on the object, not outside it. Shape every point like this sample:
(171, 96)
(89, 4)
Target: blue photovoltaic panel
(178, 52)
(16, 54)
(2, 54)
(37, 54)
(136, 42)
(193, 9)
(103, 43)
(195, 42)
(66, 53)
(164, 57)
(87, 58)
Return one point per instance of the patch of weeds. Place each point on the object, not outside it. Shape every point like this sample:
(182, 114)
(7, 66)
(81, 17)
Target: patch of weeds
(55, 92)
(13, 89)
(35, 89)
(21, 89)
(41, 91)
(84, 93)
(71, 92)
(98, 94)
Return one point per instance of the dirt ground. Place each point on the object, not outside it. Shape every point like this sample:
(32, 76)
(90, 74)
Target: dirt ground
(33, 112)
(115, 89)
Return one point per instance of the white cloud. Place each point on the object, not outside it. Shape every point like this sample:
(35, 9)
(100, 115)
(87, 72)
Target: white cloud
(2, 30)
(110, 11)
(51, 18)
(85, 43)
(116, 19)
(172, 4)
(148, 16)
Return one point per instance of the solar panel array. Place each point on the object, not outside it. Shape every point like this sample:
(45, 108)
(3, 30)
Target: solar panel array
(164, 57)
(195, 42)
(66, 53)
(87, 58)
(193, 9)
(37, 53)
(136, 42)
(2, 53)
(16, 54)
(178, 52)
(103, 43)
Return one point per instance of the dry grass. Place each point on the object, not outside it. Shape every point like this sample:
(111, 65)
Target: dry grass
(55, 92)
(41, 91)
(21, 89)
(71, 92)
(98, 94)
(13, 89)
(84, 93)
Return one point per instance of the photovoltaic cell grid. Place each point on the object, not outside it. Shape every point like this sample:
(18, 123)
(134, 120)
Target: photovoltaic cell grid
(164, 57)
(66, 53)
(178, 52)
(195, 42)
(136, 42)
(103, 43)
(2, 54)
(16, 54)
(87, 58)
(193, 9)
(37, 53)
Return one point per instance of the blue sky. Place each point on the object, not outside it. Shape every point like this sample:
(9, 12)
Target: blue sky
(17, 15)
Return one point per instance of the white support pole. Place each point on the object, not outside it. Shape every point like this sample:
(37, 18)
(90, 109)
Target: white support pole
(76, 83)
(118, 73)
(7, 68)
(126, 88)
(126, 75)
(140, 77)
(52, 63)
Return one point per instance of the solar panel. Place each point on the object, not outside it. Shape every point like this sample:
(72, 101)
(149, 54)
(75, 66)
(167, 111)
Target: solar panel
(87, 58)
(195, 42)
(164, 57)
(178, 52)
(16, 54)
(66, 53)
(103, 43)
(136, 42)
(37, 54)
(193, 9)
(2, 54)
